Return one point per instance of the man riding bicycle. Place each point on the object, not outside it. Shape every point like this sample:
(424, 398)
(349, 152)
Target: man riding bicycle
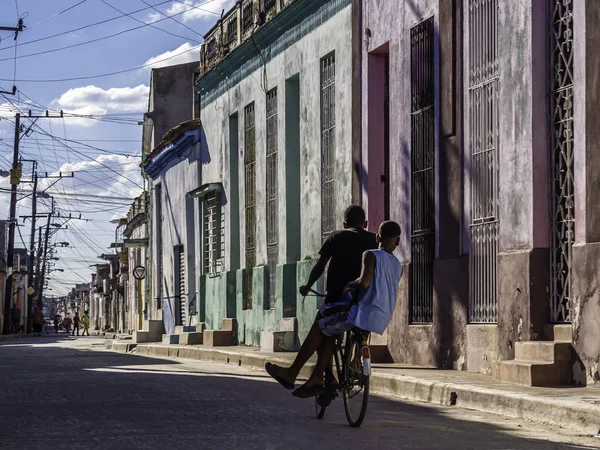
(343, 250)
(377, 286)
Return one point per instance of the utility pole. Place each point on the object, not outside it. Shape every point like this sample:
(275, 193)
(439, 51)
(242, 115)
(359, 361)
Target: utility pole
(16, 29)
(14, 181)
(33, 217)
(43, 274)
(31, 245)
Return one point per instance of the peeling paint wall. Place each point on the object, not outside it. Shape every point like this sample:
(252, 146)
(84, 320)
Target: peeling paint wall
(300, 62)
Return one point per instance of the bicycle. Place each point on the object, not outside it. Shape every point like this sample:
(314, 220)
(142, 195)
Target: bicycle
(352, 359)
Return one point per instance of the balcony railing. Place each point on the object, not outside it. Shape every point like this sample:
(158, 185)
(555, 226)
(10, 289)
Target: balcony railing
(227, 34)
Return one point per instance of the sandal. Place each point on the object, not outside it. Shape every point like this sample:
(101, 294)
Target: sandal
(309, 391)
(272, 370)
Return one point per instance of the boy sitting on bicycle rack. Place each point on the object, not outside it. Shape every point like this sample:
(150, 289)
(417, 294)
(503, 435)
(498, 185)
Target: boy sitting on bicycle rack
(377, 291)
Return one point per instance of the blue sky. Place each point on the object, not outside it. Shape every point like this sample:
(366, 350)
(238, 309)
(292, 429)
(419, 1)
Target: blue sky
(94, 148)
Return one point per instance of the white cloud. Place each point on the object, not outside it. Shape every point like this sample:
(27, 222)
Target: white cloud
(199, 10)
(153, 17)
(106, 173)
(116, 99)
(183, 54)
(90, 110)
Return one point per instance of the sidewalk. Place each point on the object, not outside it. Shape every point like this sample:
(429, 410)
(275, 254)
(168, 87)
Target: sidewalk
(573, 407)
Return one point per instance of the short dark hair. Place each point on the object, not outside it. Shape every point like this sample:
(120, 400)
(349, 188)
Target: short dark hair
(389, 230)
(354, 215)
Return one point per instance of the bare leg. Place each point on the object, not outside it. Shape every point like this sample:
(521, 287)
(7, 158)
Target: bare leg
(309, 346)
(317, 378)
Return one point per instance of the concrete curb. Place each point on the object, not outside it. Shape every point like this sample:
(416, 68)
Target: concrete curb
(581, 417)
(12, 337)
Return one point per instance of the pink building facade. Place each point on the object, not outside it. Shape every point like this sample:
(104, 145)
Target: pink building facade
(473, 136)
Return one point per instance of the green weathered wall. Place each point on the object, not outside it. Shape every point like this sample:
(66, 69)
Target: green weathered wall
(306, 308)
(217, 299)
(223, 296)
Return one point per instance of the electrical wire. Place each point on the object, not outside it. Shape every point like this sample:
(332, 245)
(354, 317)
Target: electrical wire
(102, 22)
(29, 27)
(58, 80)
(176, 21)
(79, 44)
(148, 24)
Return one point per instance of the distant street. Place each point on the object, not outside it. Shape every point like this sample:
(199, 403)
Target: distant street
(68, 393)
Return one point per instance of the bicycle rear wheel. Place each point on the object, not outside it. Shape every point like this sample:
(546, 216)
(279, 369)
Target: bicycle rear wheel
(356, 381)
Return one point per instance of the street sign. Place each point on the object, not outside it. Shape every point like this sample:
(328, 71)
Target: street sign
(30, 290)
(139, 273)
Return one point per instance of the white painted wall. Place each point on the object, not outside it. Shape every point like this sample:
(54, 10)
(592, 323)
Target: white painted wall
(303, 59)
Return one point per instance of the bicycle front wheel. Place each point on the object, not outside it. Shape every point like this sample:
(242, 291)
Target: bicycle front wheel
(356, 382)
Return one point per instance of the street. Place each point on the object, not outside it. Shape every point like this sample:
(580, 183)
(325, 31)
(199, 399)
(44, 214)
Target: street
(61, 392)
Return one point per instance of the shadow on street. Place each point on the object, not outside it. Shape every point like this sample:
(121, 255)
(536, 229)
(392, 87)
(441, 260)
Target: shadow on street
(56, 395)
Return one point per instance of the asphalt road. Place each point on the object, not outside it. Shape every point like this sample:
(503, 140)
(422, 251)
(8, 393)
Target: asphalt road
(64, 393)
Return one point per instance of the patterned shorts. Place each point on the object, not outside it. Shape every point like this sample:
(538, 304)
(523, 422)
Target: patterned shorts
(335, 324)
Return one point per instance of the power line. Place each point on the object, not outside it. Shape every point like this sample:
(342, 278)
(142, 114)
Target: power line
(79, 44)
(45, 38)
(55, 15)
(58, 80)
(147, 24)
(176, 21)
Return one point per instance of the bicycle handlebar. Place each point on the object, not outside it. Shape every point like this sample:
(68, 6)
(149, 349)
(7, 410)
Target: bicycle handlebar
(317, 293)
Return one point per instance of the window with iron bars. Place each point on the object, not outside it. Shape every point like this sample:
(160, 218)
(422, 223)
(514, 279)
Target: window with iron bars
(247, 15)
(250, 197)
(327, 145)
(422, 168)
(232, 30)
(269, 5)
(159, 244)
(561, 128)
(483, 138)
(211, 48)
(272, 195)
(214, 244)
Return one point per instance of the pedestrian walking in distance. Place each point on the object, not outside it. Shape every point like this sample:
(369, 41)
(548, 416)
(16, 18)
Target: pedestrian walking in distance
(76, 321)
(86, 323)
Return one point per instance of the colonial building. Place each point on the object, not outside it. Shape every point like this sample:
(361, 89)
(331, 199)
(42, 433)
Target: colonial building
(275, 112)
(136, 245)
(170, 161)
(475, 138)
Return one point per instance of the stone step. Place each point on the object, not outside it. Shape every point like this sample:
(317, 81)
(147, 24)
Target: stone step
(184, 329)
(156, 326)
(170, 339)
(533, 373)
(218, 338)
(543, 351)
(288, 324)
(278, 341)
(139, 337)
(380, 354)
(190, 338)
(229, 325)
(559, 332)
(200, 326)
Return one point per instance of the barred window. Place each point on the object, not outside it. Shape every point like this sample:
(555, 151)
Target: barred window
(211, 48)
(159, 244)
(327, 145)
(247, 15)
(269, 5)
(250, 198)
(272, 194)
(422, 168)
(232, 30)
(214, 242)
